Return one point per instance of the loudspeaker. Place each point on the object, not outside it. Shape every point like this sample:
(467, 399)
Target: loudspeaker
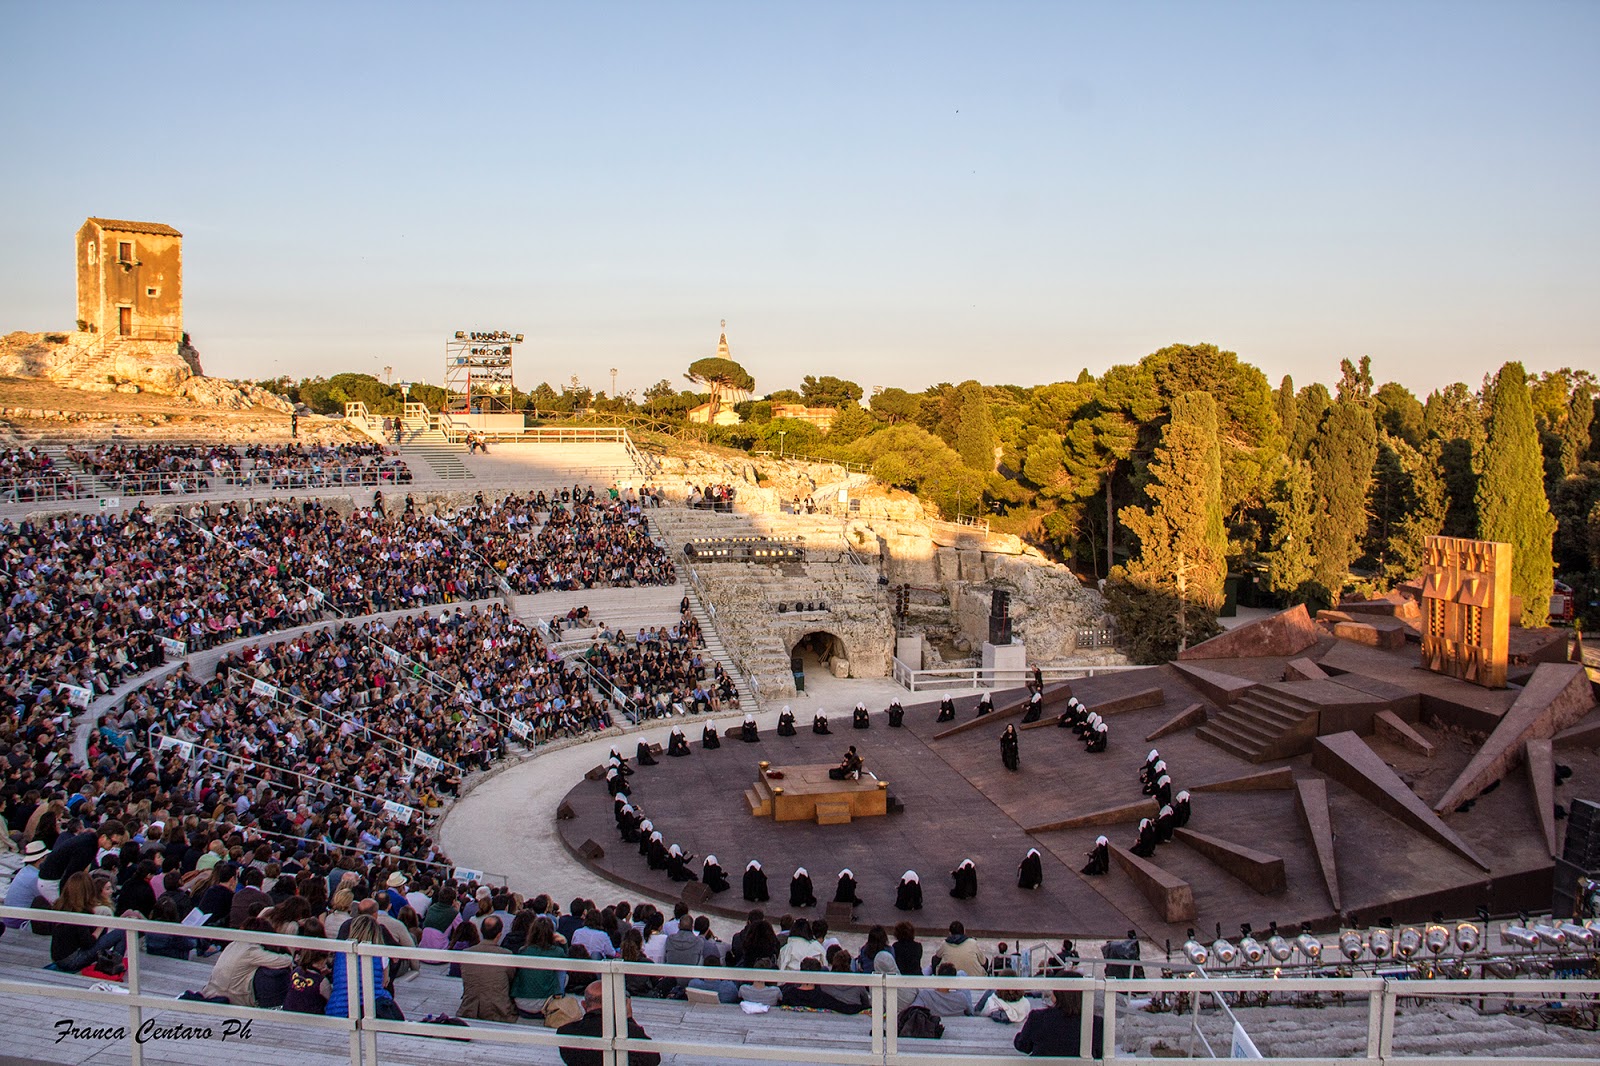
(590, 850)
(695, 893)
(1582, 846)
(839, 914)
(655, 749)
(1000, 617)
(565, 813)
(597, 774)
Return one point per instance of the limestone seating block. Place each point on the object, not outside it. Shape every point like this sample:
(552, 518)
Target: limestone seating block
(1172, 897)
(1557, 696)
(1304, 670)
(1263, 780)
(1258, 869)
(1390, 727)
(1542, 775)
(1311, 803)
(1285, 633)
(1192, 715)
(1347, 759)
(1127, 812)
(1221, 689)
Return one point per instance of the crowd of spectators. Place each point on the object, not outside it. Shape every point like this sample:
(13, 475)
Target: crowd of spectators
(30, 474)
(169, 469)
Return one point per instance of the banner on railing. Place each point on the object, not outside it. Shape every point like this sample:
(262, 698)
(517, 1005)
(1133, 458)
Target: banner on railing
(427, 761)
(77, 695)
(174, 649)
(391, 654)
(1243, 1046)
(461, 873)
(183, 747)
(261, 688)
(110, 503)
(519, 727)
(399, 811)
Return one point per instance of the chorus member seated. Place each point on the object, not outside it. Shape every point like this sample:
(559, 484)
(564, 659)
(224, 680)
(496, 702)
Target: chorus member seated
(819, 724)
(908, 897)
(748, 731)
(1099, 740)
(1030, 873)
(1180, 809)
(1144, 845)
(965, 877)
(786, 723)
(678, 865)
(1099, 858)
(985, 704)
(846, 890)
(677, 743)
(709, 741)
(712, 877)
(947, 710)
(801, 893)
(755, 883)
(897, 714)
(849, 768)
(1035, 709)
(643, 756)
(860, 719)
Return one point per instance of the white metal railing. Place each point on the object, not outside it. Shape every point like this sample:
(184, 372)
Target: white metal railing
(456, 428)
(915, 680)
(43, 488)
(879, 1044)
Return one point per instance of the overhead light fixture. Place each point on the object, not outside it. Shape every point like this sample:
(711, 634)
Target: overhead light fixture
(1309, 946)
(1468, 937)
(1195, 951)
(1224, 952)
(1580, 936)
(1550, 935)
(1380, 943)
(1436, 938)
(1350, 945)
(1252, 950)
(1408, 943)
(1520, 936)
(461, 334)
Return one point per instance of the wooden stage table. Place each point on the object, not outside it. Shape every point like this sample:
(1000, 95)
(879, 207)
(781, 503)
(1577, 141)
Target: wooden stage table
(806, 793)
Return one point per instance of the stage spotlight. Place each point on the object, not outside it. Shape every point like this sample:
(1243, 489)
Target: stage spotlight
(1468, 937)
(1436, 938)
(519, 338)
(1520, 936)
(1408, 943)
(1549, 934)
(1350, 945)
(1279, 948)
(1195, 951)
(461, 335)
(1224, 952)
(1381, 943)
(1501, 968)
(1309, 946)
(1251, 949)
(1577, 935)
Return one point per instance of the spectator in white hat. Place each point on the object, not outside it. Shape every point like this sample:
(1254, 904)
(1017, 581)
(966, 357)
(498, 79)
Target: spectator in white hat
(25, 885)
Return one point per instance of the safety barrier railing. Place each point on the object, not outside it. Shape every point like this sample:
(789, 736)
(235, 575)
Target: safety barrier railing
(1101, 998)
(917, 680)
(271, 479)
(43, 488)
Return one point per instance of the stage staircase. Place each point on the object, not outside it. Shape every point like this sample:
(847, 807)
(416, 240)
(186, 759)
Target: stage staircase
(1267, 722)
(759, 798)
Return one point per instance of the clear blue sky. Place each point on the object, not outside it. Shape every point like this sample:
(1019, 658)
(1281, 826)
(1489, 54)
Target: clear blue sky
(895, 193)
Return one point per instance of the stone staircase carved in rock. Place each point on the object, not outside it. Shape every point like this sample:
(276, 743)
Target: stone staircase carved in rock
(1267, 722)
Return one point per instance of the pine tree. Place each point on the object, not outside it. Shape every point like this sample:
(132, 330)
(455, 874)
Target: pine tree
(1575, 430)
(1512, 506)
(1169, 596)
(1284, 400)
(1288, 557)
(976, 438)
(1342, 455)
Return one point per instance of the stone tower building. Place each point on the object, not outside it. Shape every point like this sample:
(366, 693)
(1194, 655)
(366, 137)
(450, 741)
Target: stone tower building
(130, 280)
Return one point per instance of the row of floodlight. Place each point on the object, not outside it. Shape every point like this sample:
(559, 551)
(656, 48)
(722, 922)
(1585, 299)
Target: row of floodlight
(488, 335)
(1381, 943)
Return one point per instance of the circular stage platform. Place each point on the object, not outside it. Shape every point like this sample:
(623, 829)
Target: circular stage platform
(1252, 857)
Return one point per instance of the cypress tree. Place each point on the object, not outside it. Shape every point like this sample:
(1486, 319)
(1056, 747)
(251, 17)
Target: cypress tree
(1285, 402)
(1512, 506)
(1342, 455)
(976, 437)
(1290, 501)
(1169, 596)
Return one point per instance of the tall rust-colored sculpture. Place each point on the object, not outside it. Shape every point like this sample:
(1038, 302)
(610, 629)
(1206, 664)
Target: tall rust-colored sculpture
(1466, 602)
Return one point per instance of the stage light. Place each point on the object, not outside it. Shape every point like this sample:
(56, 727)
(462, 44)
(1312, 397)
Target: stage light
(1195, 951)
(1381, 943)
(1350, 945)
(1224, 952)
(1279, 948)
(1309, 946)
(1520, 936)
(1468, 938)
(1549, 934)
(1436, 938)
(1252, 950)
(1408, 943)
(461, 335)
(1577, 935)
(519, 338)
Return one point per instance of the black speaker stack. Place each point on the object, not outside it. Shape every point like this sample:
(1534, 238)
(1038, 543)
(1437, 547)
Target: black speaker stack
(1000, 617)
(1580, 859)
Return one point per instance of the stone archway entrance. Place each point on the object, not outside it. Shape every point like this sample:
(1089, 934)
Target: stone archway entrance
(814, 654)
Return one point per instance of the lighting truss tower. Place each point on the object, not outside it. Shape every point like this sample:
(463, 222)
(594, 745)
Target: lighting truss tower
(477, 370)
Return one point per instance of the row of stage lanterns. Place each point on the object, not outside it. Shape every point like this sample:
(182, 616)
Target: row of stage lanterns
(1406, 944)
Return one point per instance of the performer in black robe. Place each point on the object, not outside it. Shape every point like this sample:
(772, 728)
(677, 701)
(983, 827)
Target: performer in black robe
(748, 731)
(630, 826)
(616, 784)
(655, 852)
(908, 897)
(619, 807)
(947, 710)
(1180, 809)
(966, 879)
(1146, 774)
(646, 830)
(846, 892)
(849, 768)
(985, 704)
(643, 756)
(709, 741)
(1144, 845)
(1037, 684)
(755, 883)
(712, 877)
(1030, 873)
(1009, 748)
(1098, 740)
(861, 721)
(677, 743)
(786, 723)
(1072, 717)
(800, 892)
(619, 762)
(1035, 709)
(897, 714)
(1099, 858)
(1163, 791)
(678, 865)
(819, 725)
(1164, 825)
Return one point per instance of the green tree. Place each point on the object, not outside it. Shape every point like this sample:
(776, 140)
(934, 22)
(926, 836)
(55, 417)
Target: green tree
(1576, 428)
(1182, 558)
(1453, 416)
(1511, 501)
(1400, 413)
(1311, 407)
(719, 377)
(976, 438)
(1341, 456)
(911, 458)
(1407, 505)
(829, 391)
(659, 391)
(849, 425)
(1285, 402)
(1355, 381)
(1290, 503)
(895, 405)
